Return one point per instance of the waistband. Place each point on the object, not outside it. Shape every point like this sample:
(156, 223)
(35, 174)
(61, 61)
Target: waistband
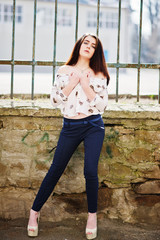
(91, 119)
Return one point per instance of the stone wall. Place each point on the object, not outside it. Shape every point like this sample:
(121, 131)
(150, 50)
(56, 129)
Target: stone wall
(129, 167)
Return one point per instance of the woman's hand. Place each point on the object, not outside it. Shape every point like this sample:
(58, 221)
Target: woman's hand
(85, 79)
(74, 79)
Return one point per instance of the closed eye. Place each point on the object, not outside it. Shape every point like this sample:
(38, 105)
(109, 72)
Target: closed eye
(93, 45)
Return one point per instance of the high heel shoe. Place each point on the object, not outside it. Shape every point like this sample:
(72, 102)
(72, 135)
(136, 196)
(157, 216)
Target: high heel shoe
(33, 230)
(91, 233)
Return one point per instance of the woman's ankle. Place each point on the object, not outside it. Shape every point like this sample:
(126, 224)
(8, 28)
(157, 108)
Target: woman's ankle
(33, 218)
(33, 212)
(95, 213)
(92, 220)
(92, 215)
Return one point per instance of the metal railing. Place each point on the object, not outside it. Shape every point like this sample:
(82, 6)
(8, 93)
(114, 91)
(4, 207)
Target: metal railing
(55, 63)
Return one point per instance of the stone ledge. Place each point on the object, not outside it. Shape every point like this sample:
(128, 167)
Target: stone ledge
(41, 107)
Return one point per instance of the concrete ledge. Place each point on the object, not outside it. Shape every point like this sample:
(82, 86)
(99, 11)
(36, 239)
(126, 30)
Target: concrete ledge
(41, 107)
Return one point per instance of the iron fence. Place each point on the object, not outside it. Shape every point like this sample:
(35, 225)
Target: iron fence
(55, 63)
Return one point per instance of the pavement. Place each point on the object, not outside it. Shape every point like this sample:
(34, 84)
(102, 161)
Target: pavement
(74, 229)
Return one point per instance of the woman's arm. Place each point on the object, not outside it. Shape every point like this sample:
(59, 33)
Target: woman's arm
(97, 99)
(100, 101)
(73, 81)
(84, 80)
(58, 94)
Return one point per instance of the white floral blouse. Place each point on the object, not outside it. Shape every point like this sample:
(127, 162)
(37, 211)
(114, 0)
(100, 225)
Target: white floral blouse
(77, 101)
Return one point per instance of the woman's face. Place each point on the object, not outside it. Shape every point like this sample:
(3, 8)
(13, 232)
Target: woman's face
(87, 48)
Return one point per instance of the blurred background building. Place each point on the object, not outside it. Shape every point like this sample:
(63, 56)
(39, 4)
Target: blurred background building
(65, 39)
(66, 22)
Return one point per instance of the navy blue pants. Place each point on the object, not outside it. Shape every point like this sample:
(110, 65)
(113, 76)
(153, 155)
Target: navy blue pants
(90, 130)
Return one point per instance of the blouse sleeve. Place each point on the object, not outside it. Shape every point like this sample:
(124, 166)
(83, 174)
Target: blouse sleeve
(101, 99)
(57, 96)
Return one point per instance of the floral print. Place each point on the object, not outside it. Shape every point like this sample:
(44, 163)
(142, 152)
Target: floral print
(77, 101)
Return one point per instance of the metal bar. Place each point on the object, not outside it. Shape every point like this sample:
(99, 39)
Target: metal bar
(118, 50)
(33, 51)
(134, 65)
(139, 50)
(55, 38)
(111, 65)
(159, 88)
(13, 47)
(98, 14)
(76, 28)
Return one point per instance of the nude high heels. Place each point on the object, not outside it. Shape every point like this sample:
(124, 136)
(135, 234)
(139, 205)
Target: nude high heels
(91, 233)
(33, 230)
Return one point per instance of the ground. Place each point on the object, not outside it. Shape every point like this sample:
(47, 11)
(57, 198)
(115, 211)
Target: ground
(73, 229)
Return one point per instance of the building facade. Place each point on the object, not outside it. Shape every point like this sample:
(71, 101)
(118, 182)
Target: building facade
(66, 21)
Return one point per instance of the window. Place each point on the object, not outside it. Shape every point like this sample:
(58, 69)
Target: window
(6, 13)
(19, 14)
(64, 17)
(45, 16)
(92, 19)
(106, 19)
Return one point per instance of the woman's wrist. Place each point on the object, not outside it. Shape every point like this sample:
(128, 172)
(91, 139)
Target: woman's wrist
(68, 88)
(85, 85)
(88, 91)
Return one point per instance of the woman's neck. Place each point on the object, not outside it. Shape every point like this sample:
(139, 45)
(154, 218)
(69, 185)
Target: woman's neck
(82, 63)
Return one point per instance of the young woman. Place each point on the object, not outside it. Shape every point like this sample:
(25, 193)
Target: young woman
(80, 91)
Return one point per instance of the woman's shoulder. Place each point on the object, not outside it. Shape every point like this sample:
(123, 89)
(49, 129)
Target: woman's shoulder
(100, 75)
(65, 69)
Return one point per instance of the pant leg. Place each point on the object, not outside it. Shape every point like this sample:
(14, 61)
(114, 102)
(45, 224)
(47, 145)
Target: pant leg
(65, 148)
(93, 145)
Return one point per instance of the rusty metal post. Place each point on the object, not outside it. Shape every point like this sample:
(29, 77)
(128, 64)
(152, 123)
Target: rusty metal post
(55, 39)
(33, 50)
(139, 50)
(98, 14)
(13, 48)
(76, 27)
(159, 87)
(118, 50)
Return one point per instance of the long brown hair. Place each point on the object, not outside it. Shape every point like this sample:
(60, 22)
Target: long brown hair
(97, 62)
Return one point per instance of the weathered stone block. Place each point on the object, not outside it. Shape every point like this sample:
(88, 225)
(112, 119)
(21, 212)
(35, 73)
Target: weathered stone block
(140, 155)
(152, 137)
(156, 154)
(153, 172)
(127, 141)
(119, 175)
(149, 187)
(124, 201)
(1, 124)
(124, 131)
(3, 169)
(112, 150)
